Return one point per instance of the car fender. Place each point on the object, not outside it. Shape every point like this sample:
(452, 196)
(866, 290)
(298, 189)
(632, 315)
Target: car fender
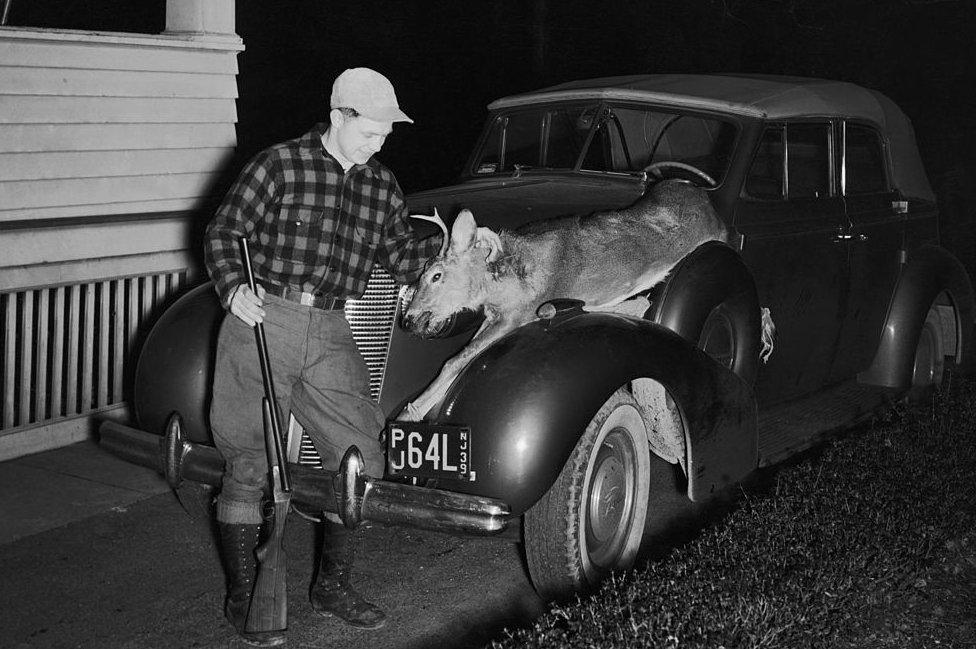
(930, 270)
(529, 397)
(711, 275)
(175, 365)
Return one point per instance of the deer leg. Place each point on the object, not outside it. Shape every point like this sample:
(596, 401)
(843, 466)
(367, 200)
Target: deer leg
(486, 335)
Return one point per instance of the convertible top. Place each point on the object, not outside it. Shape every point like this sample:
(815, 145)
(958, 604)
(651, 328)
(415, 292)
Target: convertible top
(761, 97)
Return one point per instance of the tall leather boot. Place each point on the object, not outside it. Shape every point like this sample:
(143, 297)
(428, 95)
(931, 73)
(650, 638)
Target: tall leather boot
(237, 543)
(331, 593)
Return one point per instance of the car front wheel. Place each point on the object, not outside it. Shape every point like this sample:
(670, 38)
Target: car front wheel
(591, 521)
(929, 363)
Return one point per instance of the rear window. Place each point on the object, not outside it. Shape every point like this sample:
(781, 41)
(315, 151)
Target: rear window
(864, 161)
(791, 161)
(766, 179)
(808, 160)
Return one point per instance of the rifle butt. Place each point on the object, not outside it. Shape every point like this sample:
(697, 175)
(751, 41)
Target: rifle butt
(269, 600)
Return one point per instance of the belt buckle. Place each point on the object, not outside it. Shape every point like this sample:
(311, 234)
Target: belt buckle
(307, 299)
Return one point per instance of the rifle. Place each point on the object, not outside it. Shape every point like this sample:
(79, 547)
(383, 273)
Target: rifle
(269, 604)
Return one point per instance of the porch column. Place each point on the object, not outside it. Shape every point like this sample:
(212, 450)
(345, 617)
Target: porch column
(210, 17)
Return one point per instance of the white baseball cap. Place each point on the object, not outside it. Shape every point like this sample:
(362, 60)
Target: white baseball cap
(369, 93)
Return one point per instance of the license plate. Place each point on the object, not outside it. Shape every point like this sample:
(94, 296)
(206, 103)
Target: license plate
(424, 450)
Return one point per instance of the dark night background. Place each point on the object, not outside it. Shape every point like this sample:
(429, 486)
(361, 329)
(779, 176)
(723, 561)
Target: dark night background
(448, 59)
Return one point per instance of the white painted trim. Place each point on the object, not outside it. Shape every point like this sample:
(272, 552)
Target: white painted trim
(147, 207)
(45, 165)
(40, 276)
(177, 40)
(57, 245)
(26, 138)
(55, 434)
(86, 56)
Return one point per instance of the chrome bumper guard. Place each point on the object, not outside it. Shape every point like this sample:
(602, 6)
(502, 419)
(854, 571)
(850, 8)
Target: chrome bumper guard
(351, 494)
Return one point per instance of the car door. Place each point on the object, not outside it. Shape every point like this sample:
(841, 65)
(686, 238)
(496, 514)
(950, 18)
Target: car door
(874, 243)
(790, 219)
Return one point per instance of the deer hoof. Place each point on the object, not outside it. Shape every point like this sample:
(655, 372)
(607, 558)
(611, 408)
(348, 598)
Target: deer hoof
(410, 413)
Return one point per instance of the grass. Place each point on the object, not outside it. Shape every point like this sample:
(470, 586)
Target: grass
(869, 541)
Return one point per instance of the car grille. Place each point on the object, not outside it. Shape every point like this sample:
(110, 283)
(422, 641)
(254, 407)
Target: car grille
(371, 320)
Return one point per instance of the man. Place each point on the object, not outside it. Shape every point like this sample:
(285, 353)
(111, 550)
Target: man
(318, 212)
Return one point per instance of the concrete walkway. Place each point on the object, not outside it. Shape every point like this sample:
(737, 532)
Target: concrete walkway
(96, 552)
(48, 490)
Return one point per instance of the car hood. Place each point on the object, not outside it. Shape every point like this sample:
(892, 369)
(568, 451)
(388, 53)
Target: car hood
(510, 202)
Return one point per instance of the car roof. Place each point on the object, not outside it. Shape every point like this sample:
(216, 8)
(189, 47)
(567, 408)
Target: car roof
(767, 97)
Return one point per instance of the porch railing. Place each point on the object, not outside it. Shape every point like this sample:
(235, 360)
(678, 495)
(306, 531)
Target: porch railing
(67, 350)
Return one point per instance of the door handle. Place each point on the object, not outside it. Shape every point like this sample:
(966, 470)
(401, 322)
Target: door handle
(838, 238)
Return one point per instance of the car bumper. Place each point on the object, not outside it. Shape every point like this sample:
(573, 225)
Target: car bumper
(348, 493)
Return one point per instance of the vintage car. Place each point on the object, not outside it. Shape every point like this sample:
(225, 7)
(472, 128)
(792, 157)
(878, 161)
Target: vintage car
(569, 433)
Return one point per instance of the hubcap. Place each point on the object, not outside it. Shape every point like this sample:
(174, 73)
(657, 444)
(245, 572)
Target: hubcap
(717, 339)
(927, 369)
(611, 499)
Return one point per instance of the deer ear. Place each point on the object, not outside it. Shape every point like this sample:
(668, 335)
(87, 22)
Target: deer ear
(463, 231)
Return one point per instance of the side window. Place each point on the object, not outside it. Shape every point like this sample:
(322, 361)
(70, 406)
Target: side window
(864, 161)
(808, 160)
(599, 154)
(765, 179)
(513, 140)
(568, 128)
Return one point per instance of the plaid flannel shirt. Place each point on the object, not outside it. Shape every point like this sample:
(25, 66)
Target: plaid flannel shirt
(311, 226)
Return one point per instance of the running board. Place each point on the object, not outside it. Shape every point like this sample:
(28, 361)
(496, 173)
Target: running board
(795, 426)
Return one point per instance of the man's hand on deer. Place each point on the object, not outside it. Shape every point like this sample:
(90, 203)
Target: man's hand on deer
(489, 239)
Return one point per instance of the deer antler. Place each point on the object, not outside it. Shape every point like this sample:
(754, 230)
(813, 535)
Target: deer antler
(439, 222)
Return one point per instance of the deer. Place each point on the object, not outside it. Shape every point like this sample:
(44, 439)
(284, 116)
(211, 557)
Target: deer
(603, 259)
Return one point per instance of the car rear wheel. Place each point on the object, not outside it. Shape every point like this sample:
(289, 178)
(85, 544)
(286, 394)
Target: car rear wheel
(718, 337)
(929, 364)
(591, 521)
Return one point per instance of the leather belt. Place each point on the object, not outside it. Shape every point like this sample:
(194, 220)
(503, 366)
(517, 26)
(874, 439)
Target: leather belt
(317, 300)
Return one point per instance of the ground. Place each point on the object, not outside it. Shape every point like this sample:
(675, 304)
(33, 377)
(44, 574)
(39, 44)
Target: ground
(144, 574)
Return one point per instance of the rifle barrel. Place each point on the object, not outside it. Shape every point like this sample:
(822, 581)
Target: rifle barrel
(277, 440)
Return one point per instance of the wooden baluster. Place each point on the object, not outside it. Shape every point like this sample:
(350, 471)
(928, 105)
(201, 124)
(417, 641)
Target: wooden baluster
(118, 341)
(132, 321)
(26, 358)
(88, 349)
(103, 337)
(74, 327)
(42, 342)
(57, 355)
(10, 358)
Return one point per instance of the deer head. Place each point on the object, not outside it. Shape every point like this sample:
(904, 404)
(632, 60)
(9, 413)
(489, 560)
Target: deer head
(451, 291)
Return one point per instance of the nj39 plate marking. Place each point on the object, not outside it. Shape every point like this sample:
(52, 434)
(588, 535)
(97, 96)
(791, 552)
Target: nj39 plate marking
(425, 450)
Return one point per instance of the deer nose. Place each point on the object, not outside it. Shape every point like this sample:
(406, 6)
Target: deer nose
(407, 321)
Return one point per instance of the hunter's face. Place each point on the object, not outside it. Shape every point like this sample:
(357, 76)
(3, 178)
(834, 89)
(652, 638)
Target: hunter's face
(358, 138)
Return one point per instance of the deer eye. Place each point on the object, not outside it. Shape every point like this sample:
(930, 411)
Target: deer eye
(436, 277)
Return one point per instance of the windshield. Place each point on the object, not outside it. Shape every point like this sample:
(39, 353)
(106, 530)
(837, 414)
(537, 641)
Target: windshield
(600, 137)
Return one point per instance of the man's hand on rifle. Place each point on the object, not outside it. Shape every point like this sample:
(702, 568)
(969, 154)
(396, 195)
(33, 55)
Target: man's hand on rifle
(247, 306)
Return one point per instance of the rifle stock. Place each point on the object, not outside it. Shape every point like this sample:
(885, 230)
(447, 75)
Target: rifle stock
(269, 600)
(269, 604)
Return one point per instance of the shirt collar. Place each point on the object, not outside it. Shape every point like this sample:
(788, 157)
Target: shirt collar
(312, 141)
